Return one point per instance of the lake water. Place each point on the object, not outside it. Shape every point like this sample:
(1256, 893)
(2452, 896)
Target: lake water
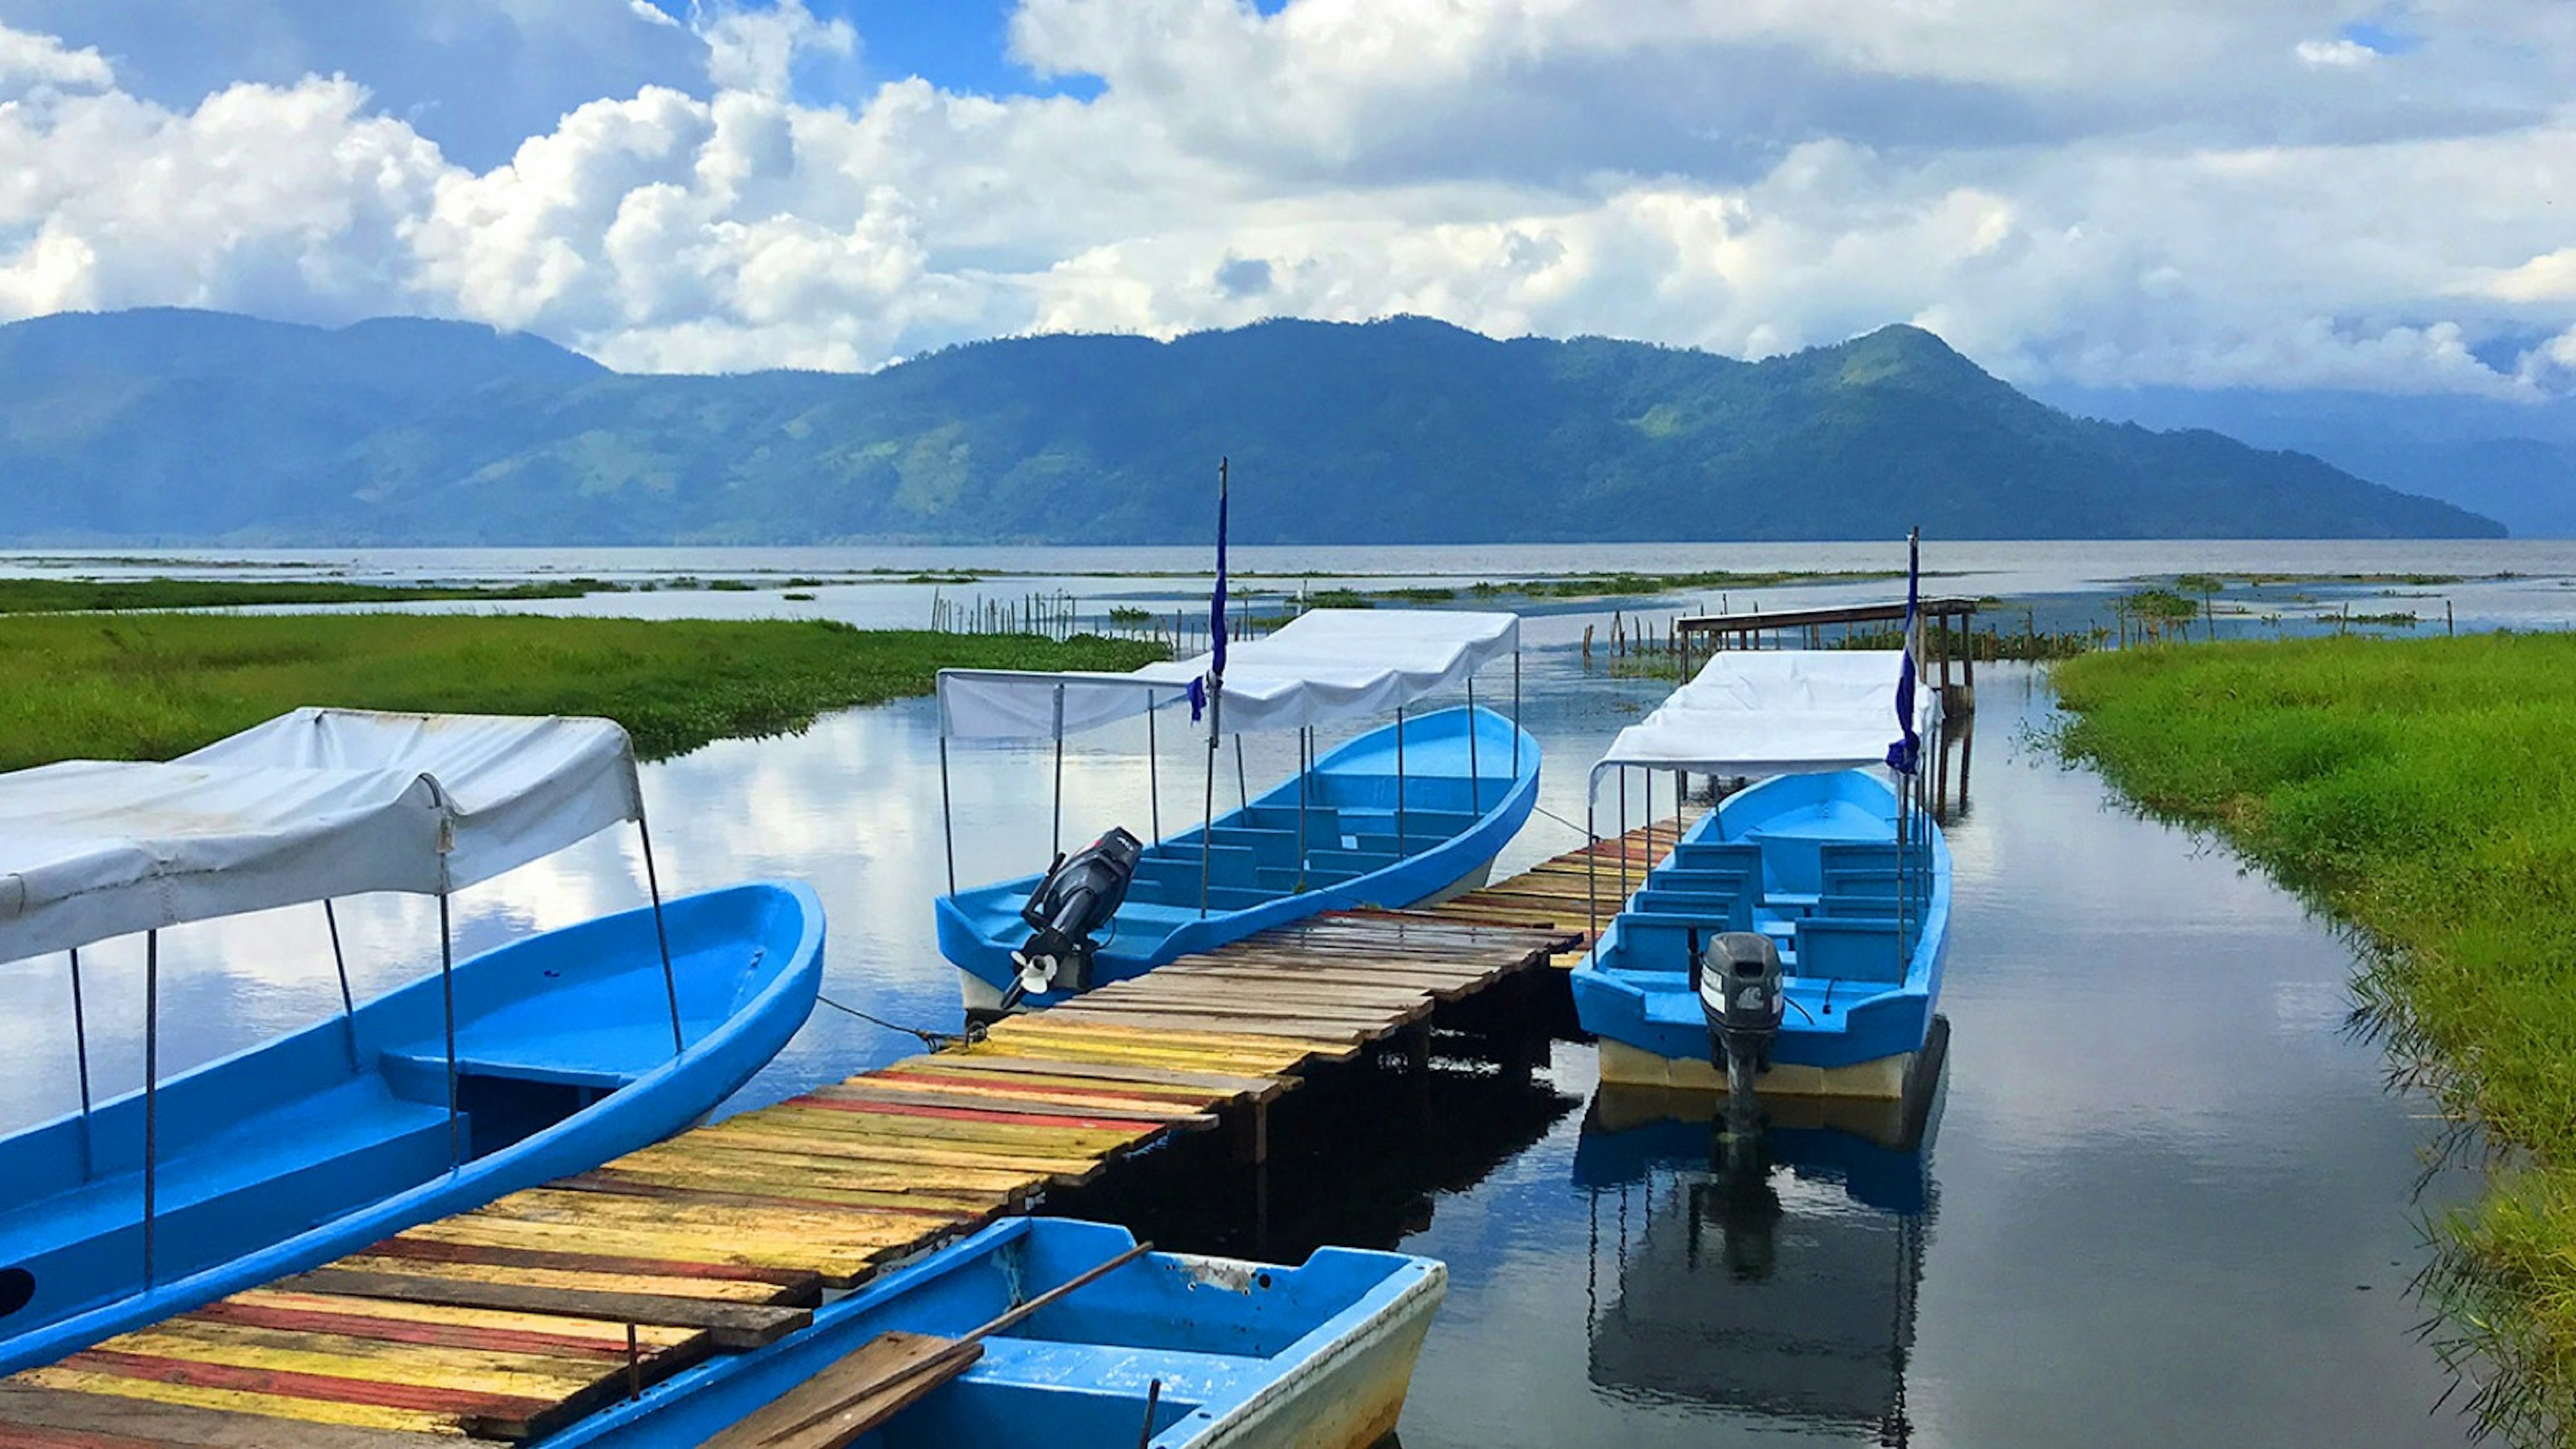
(2167, 1200)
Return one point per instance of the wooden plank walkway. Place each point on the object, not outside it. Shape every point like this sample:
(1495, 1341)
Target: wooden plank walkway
(513, 1320)
(1553, 892)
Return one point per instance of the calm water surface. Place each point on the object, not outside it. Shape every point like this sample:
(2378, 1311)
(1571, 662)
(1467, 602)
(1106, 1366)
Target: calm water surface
(2166, 1199)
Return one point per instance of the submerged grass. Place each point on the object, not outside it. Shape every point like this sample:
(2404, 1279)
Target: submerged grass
(2423, 791)
(151, 686)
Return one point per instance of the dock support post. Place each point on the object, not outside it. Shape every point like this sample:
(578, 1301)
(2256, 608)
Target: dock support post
(1251, 1133)
(80, 1057)
(661, 937)
(151, 1095)
(1417, 1045)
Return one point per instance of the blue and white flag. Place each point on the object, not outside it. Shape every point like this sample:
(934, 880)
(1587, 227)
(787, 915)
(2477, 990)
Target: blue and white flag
(1204, 690)
(1906, 752)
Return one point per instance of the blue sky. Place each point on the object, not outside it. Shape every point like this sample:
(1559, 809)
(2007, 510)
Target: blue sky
(2345, 193)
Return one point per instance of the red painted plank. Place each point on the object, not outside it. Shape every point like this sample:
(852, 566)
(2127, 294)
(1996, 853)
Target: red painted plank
(977, 1114)
(329, 1388)
(406, 1330)
(423, 1251)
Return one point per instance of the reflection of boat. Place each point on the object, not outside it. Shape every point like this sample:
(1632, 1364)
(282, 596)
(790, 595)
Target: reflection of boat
(1771, 1273)
(1165, 1350)
(1408, 813)
(541, 1058)
(1822, 891)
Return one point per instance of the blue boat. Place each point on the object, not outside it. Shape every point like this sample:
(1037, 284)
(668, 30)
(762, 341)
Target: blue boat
(1407, 814)
(1163, 1350)
(1825, 874)
(543, 1057)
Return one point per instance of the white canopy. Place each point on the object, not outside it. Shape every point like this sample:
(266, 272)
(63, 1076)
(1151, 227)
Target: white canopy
(1776, 712)
(312, 805)
(1325, 666)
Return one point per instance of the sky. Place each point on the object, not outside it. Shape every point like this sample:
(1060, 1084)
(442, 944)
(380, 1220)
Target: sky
(2198, 193)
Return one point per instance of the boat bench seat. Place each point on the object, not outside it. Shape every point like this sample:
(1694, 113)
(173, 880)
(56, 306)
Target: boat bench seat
(1349, 862)
(1718, 913)
(1226, 864)
(1727, 855)
(1420, 826)
(1850, 950)
(266, 1177)
(1166, 892)
(1323, 822)
(1877, 882)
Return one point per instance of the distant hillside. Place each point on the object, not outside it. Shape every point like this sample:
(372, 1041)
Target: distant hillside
(2512, 461)
(186, 427)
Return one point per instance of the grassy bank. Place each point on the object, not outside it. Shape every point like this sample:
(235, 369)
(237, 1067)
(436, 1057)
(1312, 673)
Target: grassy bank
(147, 687)
(2423, 791)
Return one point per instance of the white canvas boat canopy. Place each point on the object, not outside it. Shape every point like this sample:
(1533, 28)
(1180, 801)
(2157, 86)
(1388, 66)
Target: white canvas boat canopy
(1776, 712)
(1324, 667)
(315, 804)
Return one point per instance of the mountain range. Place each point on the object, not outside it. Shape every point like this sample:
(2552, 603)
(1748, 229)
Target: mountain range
(178, 427)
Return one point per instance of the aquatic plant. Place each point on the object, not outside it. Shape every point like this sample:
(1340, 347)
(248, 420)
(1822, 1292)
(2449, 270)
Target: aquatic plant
(2418, 790)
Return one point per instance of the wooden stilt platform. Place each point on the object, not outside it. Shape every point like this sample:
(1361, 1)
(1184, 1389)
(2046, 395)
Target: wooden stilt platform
(511, 1321)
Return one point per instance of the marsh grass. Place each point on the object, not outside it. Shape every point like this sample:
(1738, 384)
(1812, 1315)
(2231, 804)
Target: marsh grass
(2423, 791)
(63, 596)
(151, 686)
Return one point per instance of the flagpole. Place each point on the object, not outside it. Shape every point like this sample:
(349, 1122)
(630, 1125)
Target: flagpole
(1215, 694)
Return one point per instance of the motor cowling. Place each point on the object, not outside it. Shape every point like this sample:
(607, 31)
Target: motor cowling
(1078, 895)
(1741, 993)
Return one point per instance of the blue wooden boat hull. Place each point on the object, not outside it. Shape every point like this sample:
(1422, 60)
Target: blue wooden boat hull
(319, 1143)
(1854, 1036)
(1249, 1357)
(1454, 826)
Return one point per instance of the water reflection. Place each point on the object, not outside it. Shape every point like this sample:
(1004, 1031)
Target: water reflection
(1770, 1274)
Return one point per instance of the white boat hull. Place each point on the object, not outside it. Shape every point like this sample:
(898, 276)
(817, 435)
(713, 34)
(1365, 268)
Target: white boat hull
(1348, 1395)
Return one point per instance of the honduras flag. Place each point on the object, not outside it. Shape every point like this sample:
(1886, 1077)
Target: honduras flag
(1905, 754)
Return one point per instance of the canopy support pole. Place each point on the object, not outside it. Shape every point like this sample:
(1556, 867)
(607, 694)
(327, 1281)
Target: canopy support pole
(1592, 863)
(447, 1007)
(1399, 784)
(1623, 836)
(1516, 711)
(1059, 769)
(1242, 789)
(1304, 763)
(947, 819)
(80, 1055)
(661, 930)
(1475, 775)
(1153, 777)
(340, 961)
(1207, 825)
(151, 1094)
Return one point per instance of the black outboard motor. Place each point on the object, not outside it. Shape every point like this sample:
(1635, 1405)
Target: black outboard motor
(1741, 995)
(1079, 895)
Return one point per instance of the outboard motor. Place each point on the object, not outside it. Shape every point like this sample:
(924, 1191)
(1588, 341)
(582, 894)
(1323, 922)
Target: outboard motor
(1741, 995)
(1079, 895)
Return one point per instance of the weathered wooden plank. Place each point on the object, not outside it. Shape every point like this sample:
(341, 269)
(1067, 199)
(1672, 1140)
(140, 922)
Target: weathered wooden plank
(627, 1212)
(699, 1154)
(929, 1192)
(849, 1396)
(712, 1290)
(1044, 1139)
(539, 1378)
(790, 1279)
(404, 1427)
(735, 1326)
(851, 1147)
(1346, 1037)
(1068, 1091)
(986, 1057)
(881, 1101)
(25, 1407)
(600, 1342)
(947, 1221)
(900, 1091)
(842, 1260)
(455, 1405)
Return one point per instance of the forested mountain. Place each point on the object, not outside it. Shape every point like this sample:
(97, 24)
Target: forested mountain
(187, 427)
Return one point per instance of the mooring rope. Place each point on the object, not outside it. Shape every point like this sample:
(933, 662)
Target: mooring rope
(935, 1040)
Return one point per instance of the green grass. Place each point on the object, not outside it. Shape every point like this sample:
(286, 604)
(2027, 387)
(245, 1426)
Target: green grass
(64, 596)
(2421, 790)
(152, 686)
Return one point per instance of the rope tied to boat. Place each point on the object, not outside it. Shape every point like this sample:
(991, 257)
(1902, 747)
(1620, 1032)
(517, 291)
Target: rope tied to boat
(934, 1040)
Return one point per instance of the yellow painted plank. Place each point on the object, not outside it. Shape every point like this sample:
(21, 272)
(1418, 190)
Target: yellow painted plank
(487, 1371)
(720, 1289)
(840, 1258)
(855, 1148)
(928, 1187)
(1053, 1091)
(712, 1162)
(238, 1401)
(612, 1335)
(1048, 1141)
(620, 1211)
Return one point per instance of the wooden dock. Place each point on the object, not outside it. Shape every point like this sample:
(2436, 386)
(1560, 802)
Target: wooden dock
(512, 1321)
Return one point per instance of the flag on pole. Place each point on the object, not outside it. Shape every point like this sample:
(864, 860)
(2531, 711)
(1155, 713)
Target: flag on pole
(1906, 752)
(1204, 690)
